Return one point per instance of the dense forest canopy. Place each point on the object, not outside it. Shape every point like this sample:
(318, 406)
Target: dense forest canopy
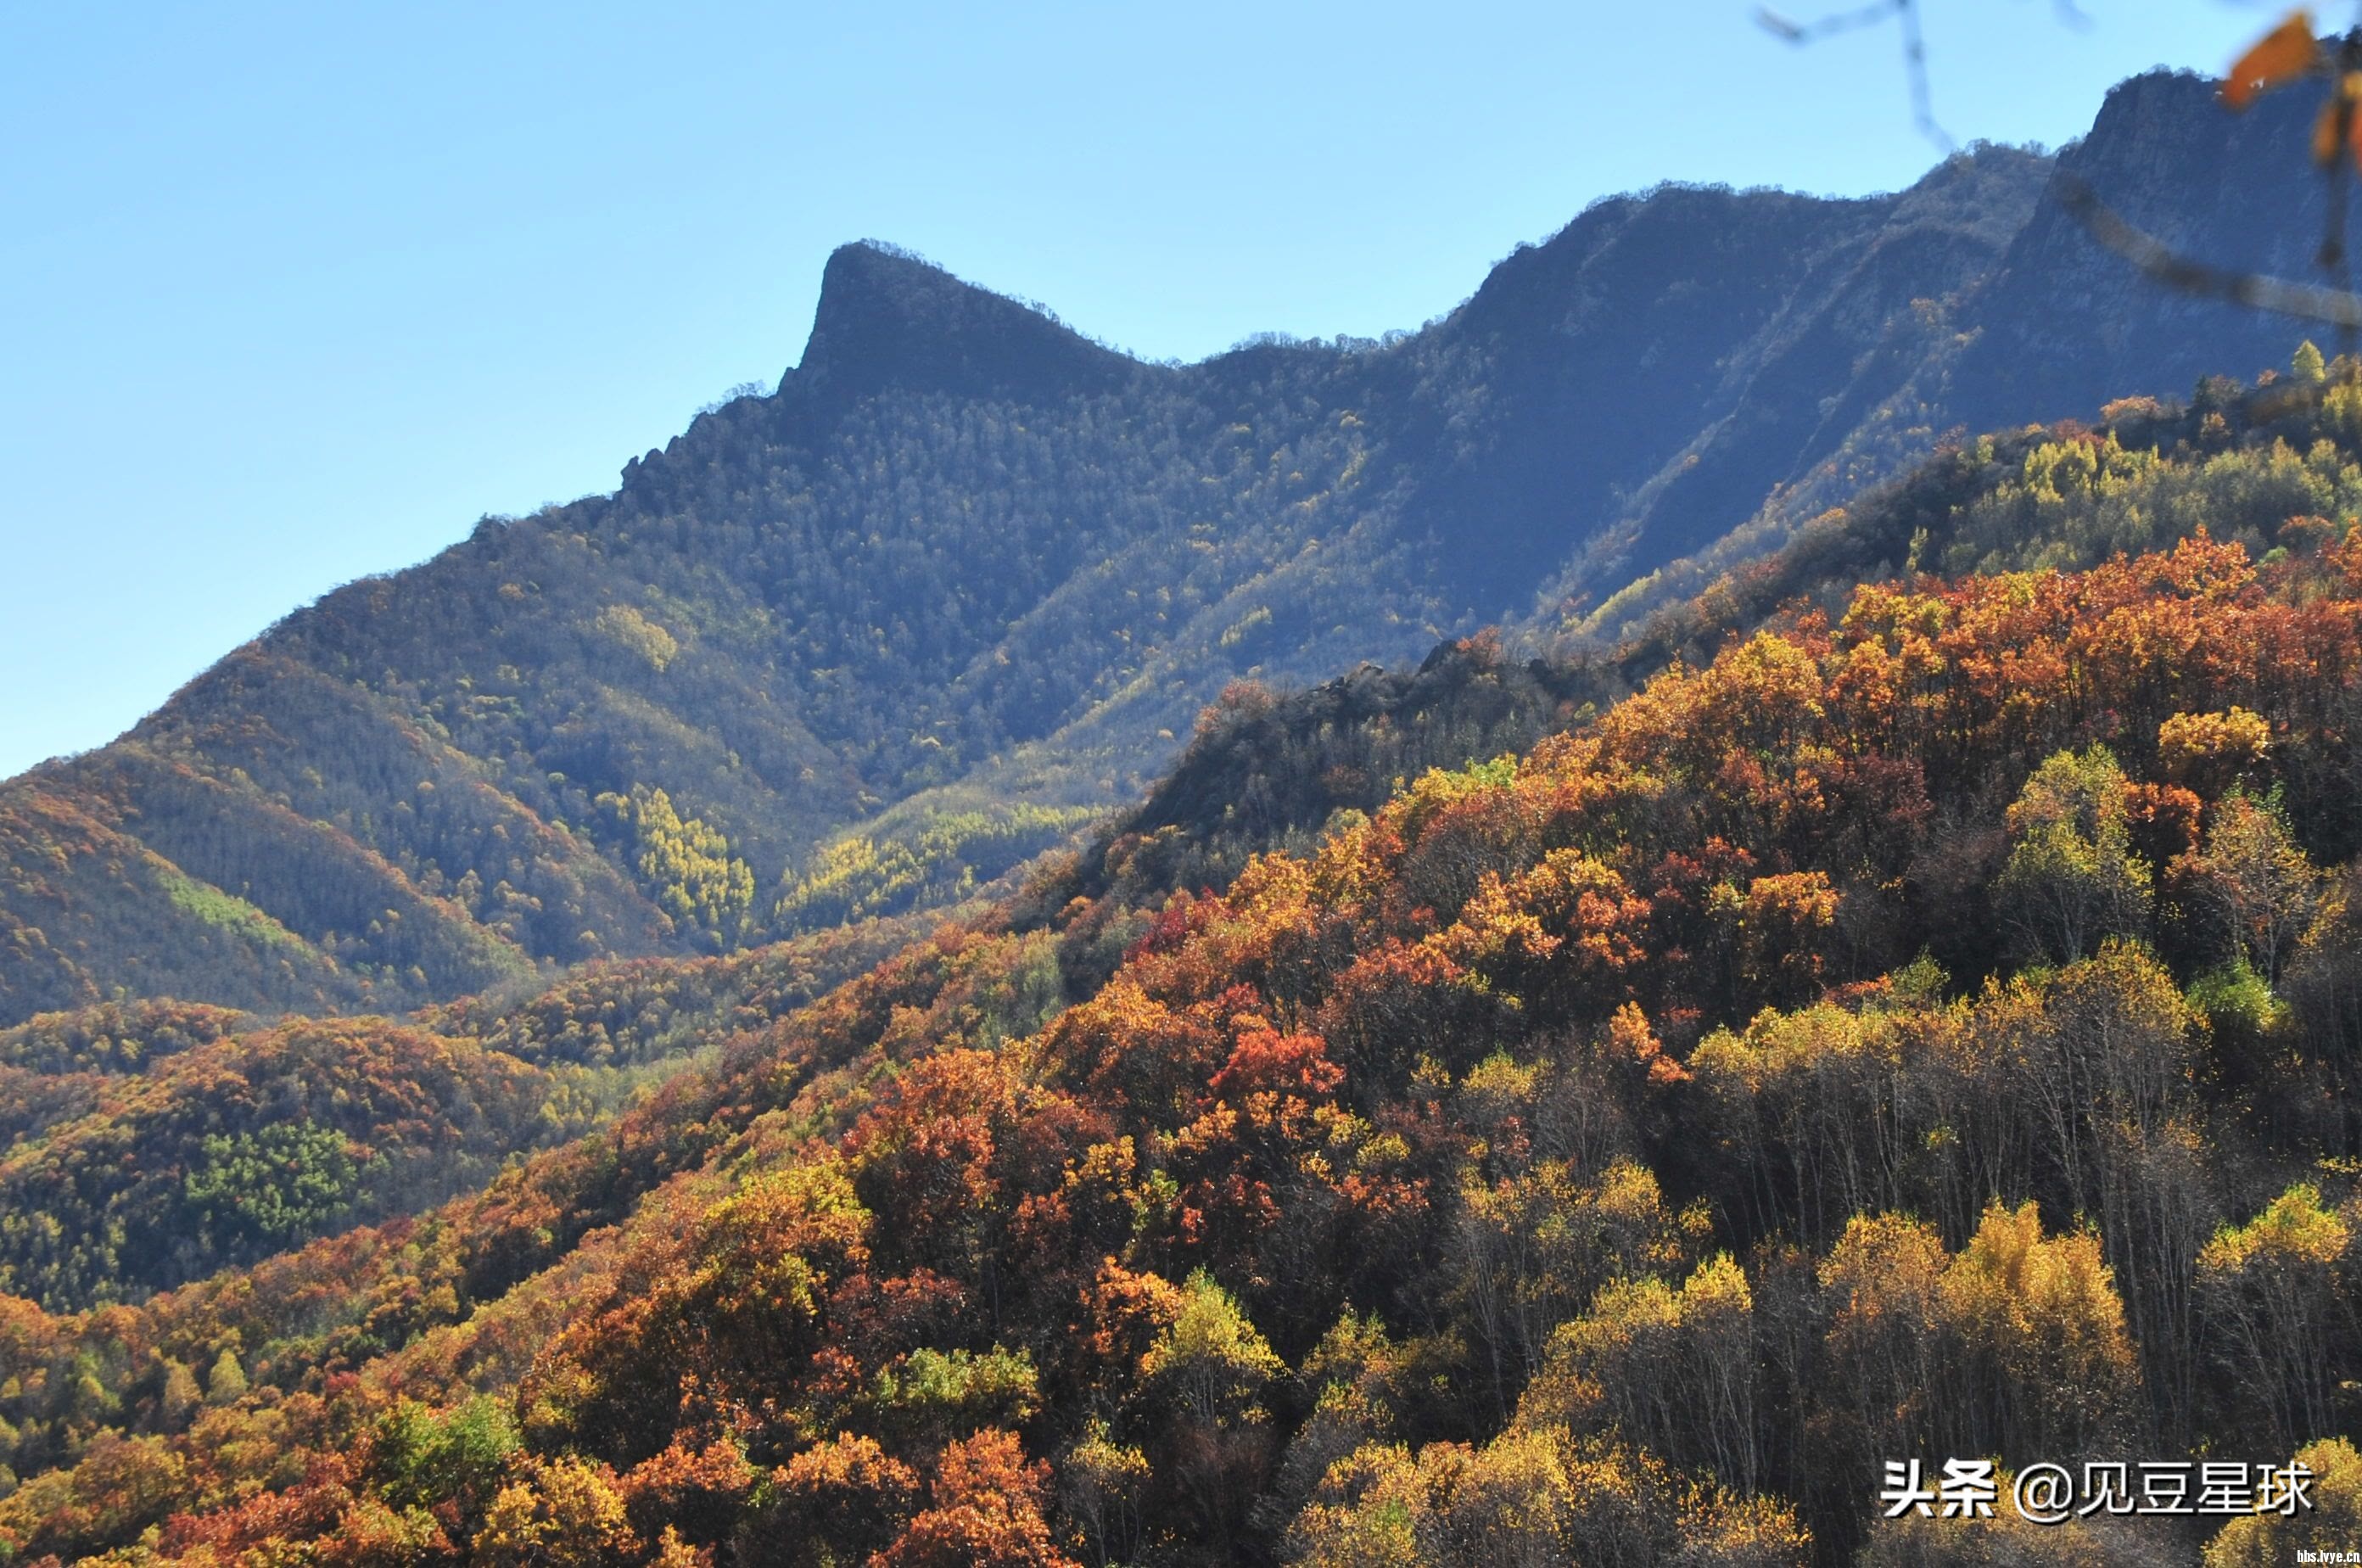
(1592, 1107)
(1589, 935)
(868, 643)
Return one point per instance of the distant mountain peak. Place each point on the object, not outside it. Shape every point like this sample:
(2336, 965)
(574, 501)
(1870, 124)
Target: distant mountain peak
(887, 317)
(968, 567)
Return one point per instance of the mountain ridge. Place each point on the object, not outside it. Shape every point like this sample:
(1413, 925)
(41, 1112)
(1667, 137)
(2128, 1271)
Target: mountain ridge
(886, 316)
(1717, 1021)
(965, 577)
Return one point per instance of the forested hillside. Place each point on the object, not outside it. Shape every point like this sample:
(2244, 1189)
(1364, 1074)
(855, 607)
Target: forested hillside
(1902, 1004)
(962, 582)
(146, 1145)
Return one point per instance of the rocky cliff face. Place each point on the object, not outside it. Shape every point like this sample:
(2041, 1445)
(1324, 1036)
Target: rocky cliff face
(2063, 325)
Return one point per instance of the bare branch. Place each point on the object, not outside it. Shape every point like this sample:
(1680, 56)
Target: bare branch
(2339, 307)
(1797, 32)
(1915, 66)
(1905, 13)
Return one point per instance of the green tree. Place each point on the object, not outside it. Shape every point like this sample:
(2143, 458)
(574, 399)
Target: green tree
(686, 865)
(2274, 1287)
(181, 1395)
(2072, 877)
(1212, 1358)
(420, 1458)
(285, 1181)
(225, 1385)
(1208, 1369)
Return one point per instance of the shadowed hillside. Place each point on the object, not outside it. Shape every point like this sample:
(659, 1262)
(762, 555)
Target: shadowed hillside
(964, 580)
(1871, 1012)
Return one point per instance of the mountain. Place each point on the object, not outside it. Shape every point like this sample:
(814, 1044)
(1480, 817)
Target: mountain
(1859, 1017)
(966, 578)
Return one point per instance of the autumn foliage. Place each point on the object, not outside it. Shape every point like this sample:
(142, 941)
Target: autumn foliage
(1924, 1027)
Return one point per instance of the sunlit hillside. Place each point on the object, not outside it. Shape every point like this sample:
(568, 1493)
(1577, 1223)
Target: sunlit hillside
(1597, 1109)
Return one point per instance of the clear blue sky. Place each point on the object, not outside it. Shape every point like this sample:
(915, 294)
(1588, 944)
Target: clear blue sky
(293, 293)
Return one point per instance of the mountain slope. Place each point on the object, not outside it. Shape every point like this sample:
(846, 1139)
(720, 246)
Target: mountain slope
(967, 577)
(1594, 1154)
